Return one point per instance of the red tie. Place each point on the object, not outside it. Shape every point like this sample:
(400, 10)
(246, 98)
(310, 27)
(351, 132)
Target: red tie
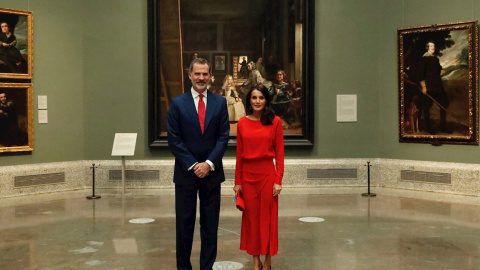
(201, 112)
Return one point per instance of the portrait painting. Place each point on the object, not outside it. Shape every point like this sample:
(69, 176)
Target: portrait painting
(220, 63)
(16, 117)
(438, 83)
(255, 42)
(242, 67)
(16, 44)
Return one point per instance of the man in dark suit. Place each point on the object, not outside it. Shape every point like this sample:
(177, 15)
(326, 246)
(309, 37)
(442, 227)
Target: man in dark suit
(431, 73)
(198, 131)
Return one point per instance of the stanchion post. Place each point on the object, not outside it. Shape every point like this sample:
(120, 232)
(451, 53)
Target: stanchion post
(93, 184)
(123, 176)
(368, 172)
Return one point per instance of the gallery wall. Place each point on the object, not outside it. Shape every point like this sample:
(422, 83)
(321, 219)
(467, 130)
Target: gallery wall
(340, 70)
(90, 59)
(58, 73)
(116, 75)
(346, 62)
(410, 13)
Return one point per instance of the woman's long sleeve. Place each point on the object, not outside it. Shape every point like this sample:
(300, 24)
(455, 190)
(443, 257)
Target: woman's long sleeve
(279, 152)
(239, 163)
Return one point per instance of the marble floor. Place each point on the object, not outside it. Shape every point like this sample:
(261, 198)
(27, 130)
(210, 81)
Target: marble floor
(394, 230)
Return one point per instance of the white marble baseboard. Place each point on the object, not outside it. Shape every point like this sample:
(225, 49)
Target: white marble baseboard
(463, 179)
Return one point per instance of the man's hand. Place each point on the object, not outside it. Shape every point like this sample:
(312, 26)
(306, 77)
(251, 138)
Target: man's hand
(424, 87)
(201, 170)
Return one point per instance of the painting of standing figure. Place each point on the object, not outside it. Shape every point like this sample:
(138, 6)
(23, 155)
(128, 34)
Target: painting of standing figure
(16, 44)
(438, 83)
(16, 117)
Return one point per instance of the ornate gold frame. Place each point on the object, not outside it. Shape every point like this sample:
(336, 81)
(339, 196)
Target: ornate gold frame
(24, 111)
(462, 113)
(12, 13)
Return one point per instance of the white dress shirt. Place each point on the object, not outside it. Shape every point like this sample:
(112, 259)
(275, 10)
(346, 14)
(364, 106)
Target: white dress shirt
(196, 99)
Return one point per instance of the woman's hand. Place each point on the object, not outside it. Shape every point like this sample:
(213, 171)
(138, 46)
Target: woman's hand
(276, 189)
(237, 188)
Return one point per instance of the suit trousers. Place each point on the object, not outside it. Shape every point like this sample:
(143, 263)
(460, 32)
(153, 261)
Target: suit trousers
(185, 210)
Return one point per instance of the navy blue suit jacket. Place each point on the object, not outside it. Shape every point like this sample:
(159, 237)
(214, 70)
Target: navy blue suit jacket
(187, 142)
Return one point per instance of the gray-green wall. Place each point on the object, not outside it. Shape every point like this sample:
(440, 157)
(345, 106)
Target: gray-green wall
(58, 66)
(400, 14)
(90, 59)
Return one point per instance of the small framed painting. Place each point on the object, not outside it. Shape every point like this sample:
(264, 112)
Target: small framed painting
(16, 44)
(16, 117)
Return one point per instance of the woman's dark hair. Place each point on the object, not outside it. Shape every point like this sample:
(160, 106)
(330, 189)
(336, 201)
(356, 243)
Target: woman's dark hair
(297, 83)
(267, 114)
(283, 73)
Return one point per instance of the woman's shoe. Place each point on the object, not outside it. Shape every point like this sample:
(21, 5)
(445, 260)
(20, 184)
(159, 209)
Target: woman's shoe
(261, 267)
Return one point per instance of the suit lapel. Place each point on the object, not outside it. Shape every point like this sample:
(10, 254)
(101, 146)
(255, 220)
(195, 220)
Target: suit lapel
(211, 108)
(191, 111)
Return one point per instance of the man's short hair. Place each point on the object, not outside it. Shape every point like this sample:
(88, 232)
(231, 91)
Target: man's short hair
(200, 61)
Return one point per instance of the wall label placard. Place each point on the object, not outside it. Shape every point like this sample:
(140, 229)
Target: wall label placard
(124, 144)
(346, 108)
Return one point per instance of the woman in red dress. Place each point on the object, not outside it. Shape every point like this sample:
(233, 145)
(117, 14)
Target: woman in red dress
(259, 142)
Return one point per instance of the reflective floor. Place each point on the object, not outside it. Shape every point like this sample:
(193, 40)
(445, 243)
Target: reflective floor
(395, 230)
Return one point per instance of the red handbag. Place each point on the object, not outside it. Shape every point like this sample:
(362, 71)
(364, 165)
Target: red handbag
(240, 202)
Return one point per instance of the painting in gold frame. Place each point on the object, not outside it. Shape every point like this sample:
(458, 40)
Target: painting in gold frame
(16, 44)
(438, 83)
(16, 117)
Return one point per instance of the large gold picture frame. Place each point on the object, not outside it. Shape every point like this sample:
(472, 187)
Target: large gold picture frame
(16, 53)
(16, 117)
(438, 83)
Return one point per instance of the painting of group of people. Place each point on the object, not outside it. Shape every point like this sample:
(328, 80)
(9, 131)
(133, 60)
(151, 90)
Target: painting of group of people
(286, 96)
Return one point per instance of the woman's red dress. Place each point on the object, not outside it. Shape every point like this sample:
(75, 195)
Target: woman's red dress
(257, 146)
